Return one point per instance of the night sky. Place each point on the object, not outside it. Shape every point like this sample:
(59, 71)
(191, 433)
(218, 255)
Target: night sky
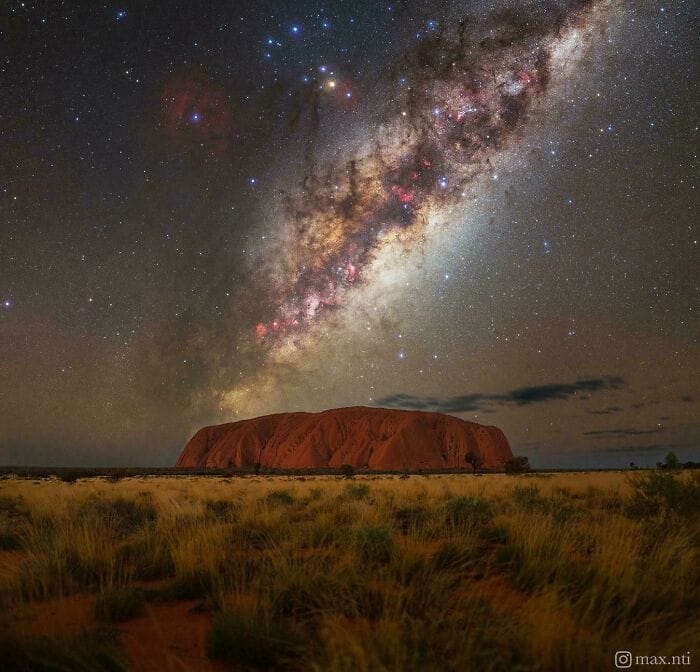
(212, 211)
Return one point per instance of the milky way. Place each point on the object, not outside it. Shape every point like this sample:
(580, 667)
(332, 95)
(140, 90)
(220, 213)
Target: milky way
(466, 95)
(211, 213)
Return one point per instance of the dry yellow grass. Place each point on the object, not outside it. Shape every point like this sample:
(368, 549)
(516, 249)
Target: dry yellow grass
(439, 572)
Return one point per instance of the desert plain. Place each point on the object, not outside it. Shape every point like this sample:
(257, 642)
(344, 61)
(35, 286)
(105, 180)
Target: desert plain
(400, 573)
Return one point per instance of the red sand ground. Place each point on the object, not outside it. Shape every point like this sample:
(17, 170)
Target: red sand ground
(168, 637)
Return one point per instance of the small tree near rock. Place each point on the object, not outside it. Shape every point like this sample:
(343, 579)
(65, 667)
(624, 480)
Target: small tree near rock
(474, 459)
(671, 461)
(347, 470)
(518, 464)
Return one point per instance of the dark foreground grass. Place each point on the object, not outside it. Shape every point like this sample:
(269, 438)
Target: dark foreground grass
(379, 574)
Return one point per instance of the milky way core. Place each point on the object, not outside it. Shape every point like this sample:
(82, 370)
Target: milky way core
(466, 95)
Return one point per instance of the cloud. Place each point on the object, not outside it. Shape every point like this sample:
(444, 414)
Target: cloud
(522, 396)
(636, 448)
(626, 431)
(606, 411)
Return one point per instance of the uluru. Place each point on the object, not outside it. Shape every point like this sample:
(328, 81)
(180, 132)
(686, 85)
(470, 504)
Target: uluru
(366, 438)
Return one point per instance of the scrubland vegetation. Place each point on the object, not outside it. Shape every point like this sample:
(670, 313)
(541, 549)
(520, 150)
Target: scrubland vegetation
(371, 573)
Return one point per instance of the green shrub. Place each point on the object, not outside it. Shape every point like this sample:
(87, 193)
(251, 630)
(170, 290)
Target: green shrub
(528, 497)
(256, 535)
(118, 604)
(667, 493)
(280, 498)
(517, 464)
(9, 533)
(148, 556)
(253, 641)
(128, 514)
(374, 544)
(220, 508)
(453, 557)
(409, 518)
(357, 491)
(468, 512)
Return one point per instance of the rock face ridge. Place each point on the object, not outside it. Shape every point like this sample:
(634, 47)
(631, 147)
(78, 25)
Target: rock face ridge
(366, 438)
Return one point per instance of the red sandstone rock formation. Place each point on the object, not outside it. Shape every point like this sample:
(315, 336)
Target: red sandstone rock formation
(371, 438)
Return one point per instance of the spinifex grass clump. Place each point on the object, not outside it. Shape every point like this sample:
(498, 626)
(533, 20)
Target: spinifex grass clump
(93, 651)
(664, 494)
(255, 641)
(374, 544)
(357, 491)
(467, 512)
(280, 498)
(127, 514)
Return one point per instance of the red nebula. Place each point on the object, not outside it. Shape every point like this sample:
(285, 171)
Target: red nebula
(194, 109)
(524, 77)
(345, 94)
(404, 195)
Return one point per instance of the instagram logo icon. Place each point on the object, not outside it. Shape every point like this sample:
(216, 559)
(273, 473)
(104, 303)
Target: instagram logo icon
(623, 659)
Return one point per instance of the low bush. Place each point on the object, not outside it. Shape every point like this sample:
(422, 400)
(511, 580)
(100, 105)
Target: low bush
(409, 518)
(357, 491)
(127, 514)
(253, 641)
(666, 493)
(221, 508)
(280, 498)
(9, 533)
(468, 512)
(374, 544)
